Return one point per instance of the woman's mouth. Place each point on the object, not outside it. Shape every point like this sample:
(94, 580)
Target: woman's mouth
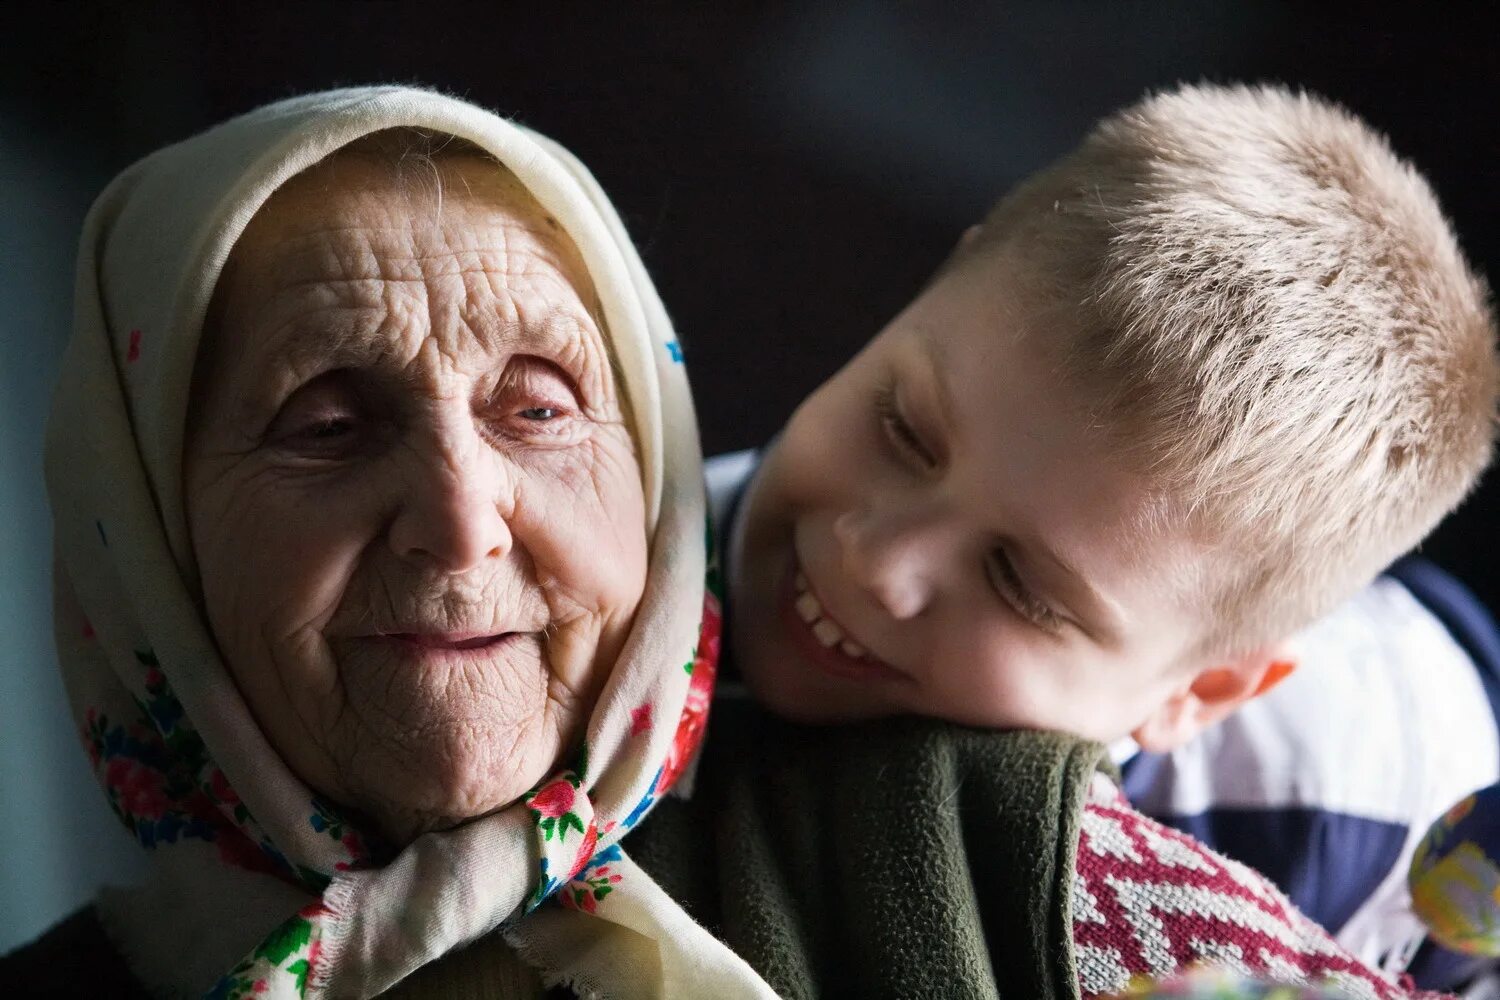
(827, 643)
(449, 641)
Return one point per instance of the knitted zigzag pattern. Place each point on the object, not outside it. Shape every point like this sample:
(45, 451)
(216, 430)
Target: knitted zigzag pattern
(1149, 901)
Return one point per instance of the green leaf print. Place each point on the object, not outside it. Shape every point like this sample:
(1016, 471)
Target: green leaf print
(284, 941)
(583, 764)
(299, 969)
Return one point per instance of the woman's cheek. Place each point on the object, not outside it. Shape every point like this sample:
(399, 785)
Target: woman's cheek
(288, 547)
(581, 521)
(581, 517)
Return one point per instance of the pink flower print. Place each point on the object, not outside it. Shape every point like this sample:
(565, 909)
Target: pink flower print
(359, 852)
(260, 986)
(586, 893)
(640, 719)
(137, 788)
(237, 851)
(313, 910)
(709, 634)
(552, 808)
(694, 717)
(133, 351)
(219, 786)
(585, 851)
(554, 799)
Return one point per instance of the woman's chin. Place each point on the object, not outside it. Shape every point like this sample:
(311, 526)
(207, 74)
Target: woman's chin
(403, 814)
(399, 827)
(438, 783)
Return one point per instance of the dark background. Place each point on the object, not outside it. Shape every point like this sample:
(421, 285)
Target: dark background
(791, 172)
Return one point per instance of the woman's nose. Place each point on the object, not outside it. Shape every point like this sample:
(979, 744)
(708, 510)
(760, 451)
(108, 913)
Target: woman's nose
(453, 518)
(890, 554)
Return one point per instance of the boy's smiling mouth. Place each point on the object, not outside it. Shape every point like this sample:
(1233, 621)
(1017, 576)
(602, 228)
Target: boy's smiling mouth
(827, 644)
(827, 631)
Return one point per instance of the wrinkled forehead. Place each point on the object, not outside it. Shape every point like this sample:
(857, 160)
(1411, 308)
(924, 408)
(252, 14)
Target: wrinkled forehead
(363, 212)
(359, 229)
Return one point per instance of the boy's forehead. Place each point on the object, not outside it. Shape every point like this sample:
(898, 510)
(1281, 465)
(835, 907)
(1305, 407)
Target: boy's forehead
(991, 370)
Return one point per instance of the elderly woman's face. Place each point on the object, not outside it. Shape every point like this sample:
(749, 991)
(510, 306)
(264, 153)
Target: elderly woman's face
(413, 497)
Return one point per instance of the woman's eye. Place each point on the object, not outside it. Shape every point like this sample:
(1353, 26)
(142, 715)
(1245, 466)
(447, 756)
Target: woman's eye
(320, 420)
(329, 429)
(330, 436)
(535, 403)
(898, 430)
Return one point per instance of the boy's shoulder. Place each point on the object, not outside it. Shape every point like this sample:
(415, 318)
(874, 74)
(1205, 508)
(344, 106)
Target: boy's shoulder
(727, 475)
(1328, 782)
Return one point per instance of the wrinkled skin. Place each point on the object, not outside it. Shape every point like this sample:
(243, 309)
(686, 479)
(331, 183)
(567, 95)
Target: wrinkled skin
(412, 493)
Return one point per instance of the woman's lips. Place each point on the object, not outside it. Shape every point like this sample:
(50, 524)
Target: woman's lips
(448, 640)
(825, 642)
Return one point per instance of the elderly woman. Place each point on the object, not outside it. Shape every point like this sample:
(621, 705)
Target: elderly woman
(381, 602)
(381, 560)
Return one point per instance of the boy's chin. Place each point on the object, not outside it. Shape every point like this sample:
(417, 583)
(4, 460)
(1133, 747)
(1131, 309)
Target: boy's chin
(802, 703)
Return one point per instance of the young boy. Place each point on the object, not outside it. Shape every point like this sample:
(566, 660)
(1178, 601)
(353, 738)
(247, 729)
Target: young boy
(1175, 398)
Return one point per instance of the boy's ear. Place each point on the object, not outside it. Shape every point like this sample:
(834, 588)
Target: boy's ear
(1210, 695)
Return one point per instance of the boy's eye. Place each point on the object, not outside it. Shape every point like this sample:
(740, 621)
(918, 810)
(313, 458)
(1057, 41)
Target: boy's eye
(898, 431)
(1008, 583)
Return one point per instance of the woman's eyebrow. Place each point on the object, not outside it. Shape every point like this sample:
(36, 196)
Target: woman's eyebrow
(332, 337)
(357, 335)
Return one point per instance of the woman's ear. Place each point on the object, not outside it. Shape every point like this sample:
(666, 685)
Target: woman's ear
(1210, 695)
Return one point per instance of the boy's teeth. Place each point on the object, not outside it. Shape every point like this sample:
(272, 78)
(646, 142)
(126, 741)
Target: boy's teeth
(826, 632)
(810, 610)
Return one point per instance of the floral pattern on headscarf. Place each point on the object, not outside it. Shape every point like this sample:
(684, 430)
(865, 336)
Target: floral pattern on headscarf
(163, 786)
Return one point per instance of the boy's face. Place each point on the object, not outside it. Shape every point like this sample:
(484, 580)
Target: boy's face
(939, 532)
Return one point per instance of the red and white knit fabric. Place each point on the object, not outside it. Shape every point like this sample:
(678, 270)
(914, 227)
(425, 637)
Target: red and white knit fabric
(1150, 901)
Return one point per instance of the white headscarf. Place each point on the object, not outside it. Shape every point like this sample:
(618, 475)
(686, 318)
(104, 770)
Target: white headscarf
(258, 887)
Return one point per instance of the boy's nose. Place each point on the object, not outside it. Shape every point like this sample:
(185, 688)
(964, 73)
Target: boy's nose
(452, 515)
(889, 555)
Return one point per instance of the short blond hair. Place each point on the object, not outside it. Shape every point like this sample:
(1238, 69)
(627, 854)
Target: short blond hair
(1279, 327)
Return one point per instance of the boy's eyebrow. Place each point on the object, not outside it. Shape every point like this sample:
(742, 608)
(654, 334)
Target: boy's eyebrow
(933, 355)
(1106, 612)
